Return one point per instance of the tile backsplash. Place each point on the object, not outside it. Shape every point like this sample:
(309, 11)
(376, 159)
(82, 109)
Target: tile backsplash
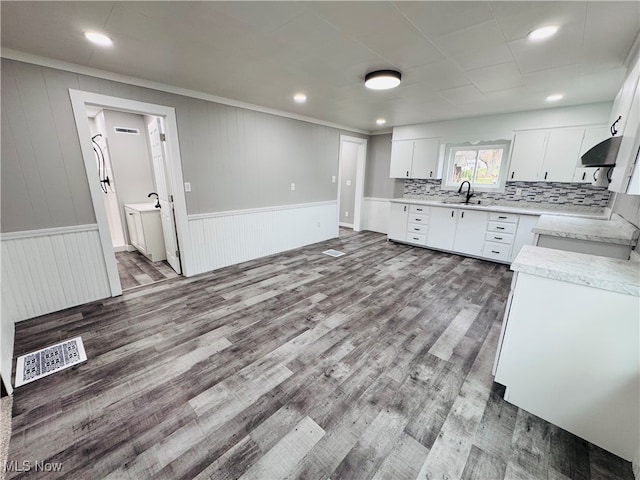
(538, 193)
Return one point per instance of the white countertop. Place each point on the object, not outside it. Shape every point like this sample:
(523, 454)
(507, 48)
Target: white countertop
(617, 230)
(521, 210)
(622, 276)
(143, 207)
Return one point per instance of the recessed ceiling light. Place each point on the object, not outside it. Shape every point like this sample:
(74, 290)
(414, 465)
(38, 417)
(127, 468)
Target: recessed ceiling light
(543, 32)
(382, 79)
(98, 38)
(381, 121)
(300, 98)
(555, 97)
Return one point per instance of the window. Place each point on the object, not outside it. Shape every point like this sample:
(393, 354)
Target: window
(484, 166)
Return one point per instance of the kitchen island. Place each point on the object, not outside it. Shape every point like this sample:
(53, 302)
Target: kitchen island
(569, 347)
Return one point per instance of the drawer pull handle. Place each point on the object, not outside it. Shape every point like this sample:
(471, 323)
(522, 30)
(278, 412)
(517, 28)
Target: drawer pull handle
(494, 251)
(417, 229)
(417, 220)
(452, 213)
(405, 208)
(503, 218)
(130, 213)
(497, 238)
(500, 228)
(416, 238)
(462, 214)
(419, 209)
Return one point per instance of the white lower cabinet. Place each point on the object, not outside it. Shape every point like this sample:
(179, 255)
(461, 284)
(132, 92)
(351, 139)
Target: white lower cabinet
(442, 229)
(145, 230)
(470, 232)
(495, 236)
(398, 221)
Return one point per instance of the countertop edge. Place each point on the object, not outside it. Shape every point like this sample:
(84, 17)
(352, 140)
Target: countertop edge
(501, 208)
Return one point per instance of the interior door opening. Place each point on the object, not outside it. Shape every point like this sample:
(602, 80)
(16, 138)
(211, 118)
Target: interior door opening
(351, 165)
(137, 194)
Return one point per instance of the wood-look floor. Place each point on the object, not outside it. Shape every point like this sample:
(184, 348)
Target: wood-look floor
(135, 269)
(375, 365)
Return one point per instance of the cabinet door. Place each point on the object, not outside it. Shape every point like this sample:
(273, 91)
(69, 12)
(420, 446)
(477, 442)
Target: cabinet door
(524, 235)
(398, 221)
(131, 226)
(142, 244)
(629, 150)
(527, 156)
(470, 232)
(442, 228)
(562, 154)
(425, 158)
(401, 159)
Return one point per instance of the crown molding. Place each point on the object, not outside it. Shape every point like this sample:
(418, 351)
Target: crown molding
(17, 55)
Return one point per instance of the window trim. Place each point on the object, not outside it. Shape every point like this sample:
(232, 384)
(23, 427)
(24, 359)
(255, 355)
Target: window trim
(449, 155)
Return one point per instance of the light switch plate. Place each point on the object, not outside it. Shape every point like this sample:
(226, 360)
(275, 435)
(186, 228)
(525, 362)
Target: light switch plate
(187, 186)
(348, 183)
(293, 187)
(333, 179)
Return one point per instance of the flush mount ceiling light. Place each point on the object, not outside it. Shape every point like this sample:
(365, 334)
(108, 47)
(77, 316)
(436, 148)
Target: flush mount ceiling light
(300, 98)
(382, 79)
(543, 32)
(555, 97)
(381, 121)
(98, 38)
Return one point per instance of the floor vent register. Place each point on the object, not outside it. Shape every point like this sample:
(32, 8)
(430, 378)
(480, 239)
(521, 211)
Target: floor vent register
(52, 359)
(333, 253)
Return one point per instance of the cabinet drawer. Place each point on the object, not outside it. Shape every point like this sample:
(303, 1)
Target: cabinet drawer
(417, 238)
(503, 217)
(496, 251)
(417, 228)
(420, 219)
(419, 209)
(505, 238)
(502, 227)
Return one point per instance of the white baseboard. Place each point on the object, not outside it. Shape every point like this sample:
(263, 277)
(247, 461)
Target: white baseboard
(345, 225)
(227, 238)
(375, 212)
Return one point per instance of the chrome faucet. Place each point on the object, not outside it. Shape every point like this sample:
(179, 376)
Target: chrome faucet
(469, 193)
(157, 199)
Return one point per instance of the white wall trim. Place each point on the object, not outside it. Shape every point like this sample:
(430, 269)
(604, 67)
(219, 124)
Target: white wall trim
(47, 232)
(139, 82)
(221, 239)
(375, 213)
(248, 211)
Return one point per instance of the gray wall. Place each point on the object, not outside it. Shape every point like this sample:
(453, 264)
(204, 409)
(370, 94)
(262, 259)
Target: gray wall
(234, 158)
(130, 158)
(348, 169)
(377, 182)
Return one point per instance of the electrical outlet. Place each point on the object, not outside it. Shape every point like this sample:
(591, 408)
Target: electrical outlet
(293, 187)
(346, 214)
(518, 192)
(333, 179)
(348, 183)
(187, 186)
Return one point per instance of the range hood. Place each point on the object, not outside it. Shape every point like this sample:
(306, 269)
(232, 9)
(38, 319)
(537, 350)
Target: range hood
(603, 154)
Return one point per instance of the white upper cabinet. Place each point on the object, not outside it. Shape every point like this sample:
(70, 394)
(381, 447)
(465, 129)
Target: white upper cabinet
(626, 174)
(415, 158)
(553, 155)
(527, 156)
(561, 154)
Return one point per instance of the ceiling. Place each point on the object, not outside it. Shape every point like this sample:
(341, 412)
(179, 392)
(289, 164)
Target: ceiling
(457, 59)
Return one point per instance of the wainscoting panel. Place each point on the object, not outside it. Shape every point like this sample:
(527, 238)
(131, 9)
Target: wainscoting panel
(376, 214)
(52, 269)
(227, 238)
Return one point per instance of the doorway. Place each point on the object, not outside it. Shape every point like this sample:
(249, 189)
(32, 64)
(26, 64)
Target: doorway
(351, 166)
(133, 166)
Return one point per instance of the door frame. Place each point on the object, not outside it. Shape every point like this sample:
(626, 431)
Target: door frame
(79, 101)
(360, 168)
